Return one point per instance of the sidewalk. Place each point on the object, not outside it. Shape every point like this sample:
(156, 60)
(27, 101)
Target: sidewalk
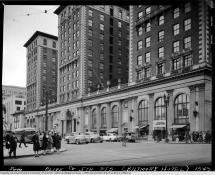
(26, 151)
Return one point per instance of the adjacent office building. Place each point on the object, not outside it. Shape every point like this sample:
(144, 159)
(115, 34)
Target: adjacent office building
(8, 91)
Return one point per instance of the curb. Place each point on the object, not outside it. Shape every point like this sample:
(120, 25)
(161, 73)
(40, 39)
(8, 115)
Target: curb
(30, 155)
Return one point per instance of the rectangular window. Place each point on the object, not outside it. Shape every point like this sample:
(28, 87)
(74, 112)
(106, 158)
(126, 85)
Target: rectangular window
(140, 75)
(119, 24)
(187, 24)
(176, 47)
(90, 73)
(90, 43)
(187, 42)
(187, 7)
(160, 68)
(101, 56)
(102, 17)
(148, 42)
(90, 12)
(161, 52)
(18, 102)
(90, 53)
(90, 33)
(140, 15)
(102, 27)
(148, 10)
(139, 60)
(90, 23)
(188, 60)
(161, 36)
(90, 63)
(120, 14)
(176, 64)
(176, 29)
(101, 36)
(147, 72)
(139, 45)
(176, 13)
(161, 20)
(140, 30)
(147, 57)
(101, 66)
(148, 27)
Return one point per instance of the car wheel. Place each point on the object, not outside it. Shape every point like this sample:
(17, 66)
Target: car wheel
(91, 140)
(67, 141)
(101, 141)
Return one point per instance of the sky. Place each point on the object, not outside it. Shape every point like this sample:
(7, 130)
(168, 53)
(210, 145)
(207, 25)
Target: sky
(20, 23)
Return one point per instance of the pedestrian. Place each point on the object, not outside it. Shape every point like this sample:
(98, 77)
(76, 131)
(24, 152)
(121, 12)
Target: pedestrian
(41, 139)
(22, 140)
(124, 139)
(7, 140)
(58, 142)
(54, 141)
(13, 145)
(45, 143)
(50, 142)
(36, 144)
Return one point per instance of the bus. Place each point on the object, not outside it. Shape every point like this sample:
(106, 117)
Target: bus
(29, 132)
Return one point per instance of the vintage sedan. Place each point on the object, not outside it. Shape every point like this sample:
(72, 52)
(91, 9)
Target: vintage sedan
(110, 137)
(76, 138)
(93, 137)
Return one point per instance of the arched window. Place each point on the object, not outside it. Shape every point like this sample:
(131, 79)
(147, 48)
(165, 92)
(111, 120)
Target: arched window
(103, 118)
(114, 114)
(143, 112)
(181, 108)
(94, 119)
(160, 111)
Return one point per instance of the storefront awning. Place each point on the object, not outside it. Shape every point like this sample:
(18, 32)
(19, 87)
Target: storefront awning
(143, 126)
(113, 130)
(177, 126)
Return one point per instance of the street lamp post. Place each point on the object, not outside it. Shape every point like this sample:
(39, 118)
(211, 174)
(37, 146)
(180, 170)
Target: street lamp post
(166, 101)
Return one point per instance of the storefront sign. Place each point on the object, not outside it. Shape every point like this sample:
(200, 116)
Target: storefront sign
(159, 124)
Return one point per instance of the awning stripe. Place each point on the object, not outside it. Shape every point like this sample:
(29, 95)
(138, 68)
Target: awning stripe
(178, 126)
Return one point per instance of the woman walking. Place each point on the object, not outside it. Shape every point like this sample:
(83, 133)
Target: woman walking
(36, 143)
(50, 142)
(45, 143)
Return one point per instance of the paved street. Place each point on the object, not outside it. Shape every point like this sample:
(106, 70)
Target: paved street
(113, 154)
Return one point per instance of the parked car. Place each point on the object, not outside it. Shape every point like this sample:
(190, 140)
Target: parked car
(29, 133)
(131, 137)
(93, 137)
(110, 137)
(76, 138)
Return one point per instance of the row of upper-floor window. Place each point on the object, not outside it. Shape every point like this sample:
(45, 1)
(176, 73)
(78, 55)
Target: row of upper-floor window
(175, 29)
(68, 77)
(68, 96)
(34, 44)
(175, 12)
(69, 67)
(175, 45)
(67, 38)
(176, 64)
(70, 86)
(69, 11)
(64, 59)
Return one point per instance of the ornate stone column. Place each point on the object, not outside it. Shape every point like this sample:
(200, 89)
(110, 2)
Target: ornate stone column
(108, 118)
(120, 118)
(89, 118)
(151, 112)
(201, 106)
(98, 118)
(170, 111)
(192, 119)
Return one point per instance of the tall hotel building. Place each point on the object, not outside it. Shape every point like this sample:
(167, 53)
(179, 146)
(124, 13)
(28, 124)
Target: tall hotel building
(170, 52)
(169, 82)
(93, 49)
(42, 58)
